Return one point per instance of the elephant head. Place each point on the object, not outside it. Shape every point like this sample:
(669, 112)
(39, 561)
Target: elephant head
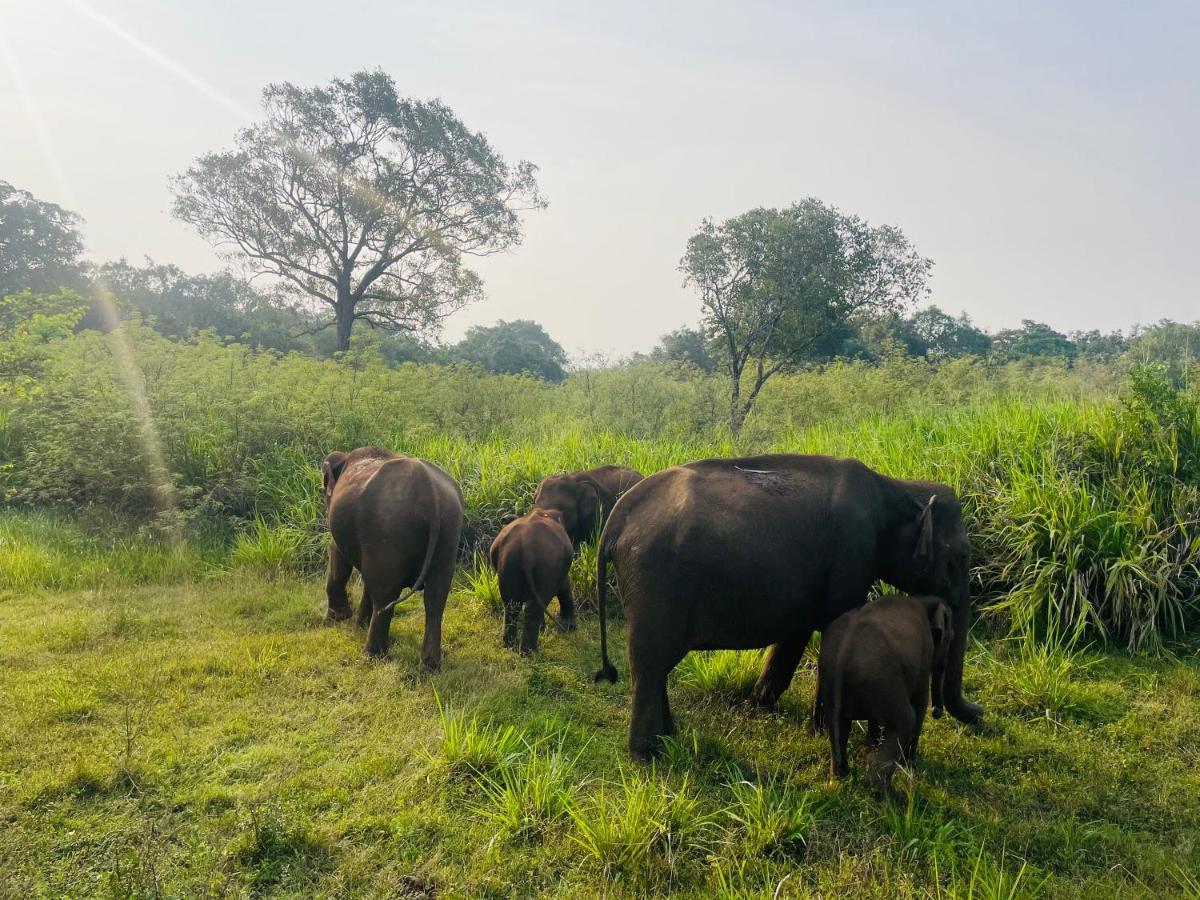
(578, 497)
(926, 551)
(941, 624)
(331, 469)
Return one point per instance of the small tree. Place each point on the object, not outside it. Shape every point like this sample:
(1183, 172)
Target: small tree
(774, 283)
(362, 201)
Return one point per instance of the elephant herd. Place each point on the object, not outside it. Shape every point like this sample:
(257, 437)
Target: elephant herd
(716, 554)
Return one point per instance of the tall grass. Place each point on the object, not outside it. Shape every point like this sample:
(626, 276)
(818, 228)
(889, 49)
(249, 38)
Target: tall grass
(1084, 507)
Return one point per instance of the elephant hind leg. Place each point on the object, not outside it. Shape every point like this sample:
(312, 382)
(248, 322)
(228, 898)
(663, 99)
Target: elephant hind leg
(379, 631)
(839, 737)
(336, 575)
(890, 752)
(648, 716)
(779, 669)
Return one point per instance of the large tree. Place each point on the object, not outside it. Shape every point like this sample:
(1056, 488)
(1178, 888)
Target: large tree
(775, 283)
(363, 201)
(511, 348)
(40, 246)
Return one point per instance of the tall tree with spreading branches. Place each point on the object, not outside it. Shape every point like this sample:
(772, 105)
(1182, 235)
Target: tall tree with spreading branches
(362, 201)
(774, 282)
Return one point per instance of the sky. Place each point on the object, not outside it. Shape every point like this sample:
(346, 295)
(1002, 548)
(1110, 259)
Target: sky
(1044, 155)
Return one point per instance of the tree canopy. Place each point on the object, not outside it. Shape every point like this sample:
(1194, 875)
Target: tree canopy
(774, 283)
(40, 244)
(361, 201)
(512, 348)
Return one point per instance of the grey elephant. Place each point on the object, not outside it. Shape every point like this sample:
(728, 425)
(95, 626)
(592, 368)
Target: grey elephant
(585, 498)
(396, 519)
(532, 559)
(761, 552)
(877, 663)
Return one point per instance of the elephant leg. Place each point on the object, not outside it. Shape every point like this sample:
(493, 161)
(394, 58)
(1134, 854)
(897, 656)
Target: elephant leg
(668, 719)
(957, 705)
(379, 631)
(436, 591)
(512, 614)
(874, 733)
(647, 719)
(890, 751)
(336, 575)
(780, 667)
(839, 736)
(365, 608)
(920, 703)
(566, 604)
(535, 617)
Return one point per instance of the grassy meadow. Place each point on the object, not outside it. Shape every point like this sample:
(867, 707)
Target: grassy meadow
(176, 721)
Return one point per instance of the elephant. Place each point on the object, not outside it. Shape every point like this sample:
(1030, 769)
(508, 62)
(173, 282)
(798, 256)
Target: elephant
(762, 551)
(396, 519)
(876, 663)
(532, 557)
(585, 498)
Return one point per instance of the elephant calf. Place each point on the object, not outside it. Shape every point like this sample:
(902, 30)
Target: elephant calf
(876, 663)
(532, 557)
(397, 520)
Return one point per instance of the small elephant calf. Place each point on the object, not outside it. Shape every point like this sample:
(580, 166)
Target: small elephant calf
(532, 556)
(877, 663)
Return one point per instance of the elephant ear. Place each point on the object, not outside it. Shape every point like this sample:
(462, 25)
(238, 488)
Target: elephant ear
(331, 470)
(595, 498)
(924, 549)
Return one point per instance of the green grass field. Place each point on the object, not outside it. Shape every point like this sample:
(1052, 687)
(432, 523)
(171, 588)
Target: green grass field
(211, 738)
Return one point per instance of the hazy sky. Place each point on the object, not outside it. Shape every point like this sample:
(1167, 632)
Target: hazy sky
(1047, 159)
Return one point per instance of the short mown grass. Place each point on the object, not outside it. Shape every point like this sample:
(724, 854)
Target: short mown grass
(212, 738)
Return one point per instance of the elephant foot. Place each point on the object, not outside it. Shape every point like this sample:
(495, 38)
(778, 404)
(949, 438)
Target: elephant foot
(375, 652)
(334, 615)
(765, 696)
(966, 712)
(565, 625)
(430, 664)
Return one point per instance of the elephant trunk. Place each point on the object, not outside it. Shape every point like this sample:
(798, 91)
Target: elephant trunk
(951, 680)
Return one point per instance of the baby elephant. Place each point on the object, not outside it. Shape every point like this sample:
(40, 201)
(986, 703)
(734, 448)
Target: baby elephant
(877, 663)
(532, 556)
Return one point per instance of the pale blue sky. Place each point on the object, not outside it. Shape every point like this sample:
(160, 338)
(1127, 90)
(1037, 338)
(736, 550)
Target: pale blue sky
(1044, 155)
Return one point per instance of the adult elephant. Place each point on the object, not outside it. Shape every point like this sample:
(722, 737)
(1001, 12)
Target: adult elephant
(585, 498)
(397, 520)
(763, 551)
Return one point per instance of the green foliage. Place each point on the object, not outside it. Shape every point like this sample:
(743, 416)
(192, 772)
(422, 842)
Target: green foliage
(361, 201)
(40, 244)
(512, 348)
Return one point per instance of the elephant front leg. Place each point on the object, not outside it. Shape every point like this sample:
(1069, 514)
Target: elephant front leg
(337, 574)
(365, 609)
(957, 705)
(780, 668)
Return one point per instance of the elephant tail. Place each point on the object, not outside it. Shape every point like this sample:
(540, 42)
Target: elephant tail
(435, 528)
(527, 569)
(607, 671)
